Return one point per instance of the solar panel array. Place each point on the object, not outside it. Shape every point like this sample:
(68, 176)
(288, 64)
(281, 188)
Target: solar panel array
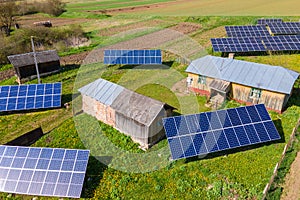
(35, 96)
(200, 134)
(249, 44)
(42, 171)
(132, 57)
(254, 44)
(285, 28)
(282, 43)
(269, 20)
(258, 39)
(247, 31)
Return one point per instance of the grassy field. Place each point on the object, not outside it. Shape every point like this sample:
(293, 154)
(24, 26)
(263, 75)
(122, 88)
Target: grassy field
(240, 173)
(111, 4)
(194, 7)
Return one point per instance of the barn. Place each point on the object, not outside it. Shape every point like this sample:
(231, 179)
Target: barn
(246, 82)
(133, 114)
(48, 63)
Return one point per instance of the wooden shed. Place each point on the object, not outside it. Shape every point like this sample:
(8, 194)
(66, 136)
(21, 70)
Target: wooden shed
(48, 63)
(133, 114)
(245, 82)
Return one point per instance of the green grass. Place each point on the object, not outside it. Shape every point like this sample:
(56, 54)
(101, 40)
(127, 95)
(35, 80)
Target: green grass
(241, 173)
(5, 67)
(276, 188)
(104, 5)
(233, 175)
(285, 60)
(87, 15)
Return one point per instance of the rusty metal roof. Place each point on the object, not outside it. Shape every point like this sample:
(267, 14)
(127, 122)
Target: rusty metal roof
(135, 106)
(26, 59)
(268, 77)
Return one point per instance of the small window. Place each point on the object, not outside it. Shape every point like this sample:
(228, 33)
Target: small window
(255, 93)
(202, 79)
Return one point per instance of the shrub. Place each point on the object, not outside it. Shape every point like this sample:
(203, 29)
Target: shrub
(59, 38)
(51, 7)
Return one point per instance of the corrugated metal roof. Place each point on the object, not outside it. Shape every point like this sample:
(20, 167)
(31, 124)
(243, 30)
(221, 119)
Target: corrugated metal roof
(27, 58)
(137, 107)
(268, 77)
(102, 90)
(130, 104)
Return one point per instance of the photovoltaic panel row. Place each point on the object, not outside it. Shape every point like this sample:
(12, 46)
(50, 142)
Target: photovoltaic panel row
(285, 28)
(42, 171)
(282, 43)
(248, 44)
(267, 43)
(247, 31)
(268, 20)
(35, 96)
(133, 57)
(204, 133)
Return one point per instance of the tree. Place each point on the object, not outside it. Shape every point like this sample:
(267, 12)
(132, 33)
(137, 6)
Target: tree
(8, 9)
(52, 7)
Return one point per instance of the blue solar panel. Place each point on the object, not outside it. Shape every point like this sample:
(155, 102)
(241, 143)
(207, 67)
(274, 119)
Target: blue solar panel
(209, 132)
(285, 28)
(187, 144)
(35, 96)
(247, 31)
(42, 171)
(252, 44)
(264, 21)
(132, 57)
(282, 43)
(170, 127)
(242, 44)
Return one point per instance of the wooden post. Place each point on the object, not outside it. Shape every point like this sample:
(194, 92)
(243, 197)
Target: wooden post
(35, 61)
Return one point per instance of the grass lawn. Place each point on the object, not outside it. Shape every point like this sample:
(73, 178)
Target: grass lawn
(239, 173)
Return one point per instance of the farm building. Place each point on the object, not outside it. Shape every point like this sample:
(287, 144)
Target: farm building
(131, 113)
(246, 82)
(48, 62)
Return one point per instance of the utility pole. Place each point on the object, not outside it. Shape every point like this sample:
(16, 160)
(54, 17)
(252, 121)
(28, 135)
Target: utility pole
(35, 61)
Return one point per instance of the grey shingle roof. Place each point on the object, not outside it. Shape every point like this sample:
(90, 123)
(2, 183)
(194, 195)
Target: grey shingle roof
(268, 77)
(25, 59)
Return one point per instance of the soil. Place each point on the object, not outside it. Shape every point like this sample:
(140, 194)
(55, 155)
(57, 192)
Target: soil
(76, 59)
(291, 188)
(7, 74)
(186, 27)
(204, 38)
(132, 26)
(28, 20)
(180, 88)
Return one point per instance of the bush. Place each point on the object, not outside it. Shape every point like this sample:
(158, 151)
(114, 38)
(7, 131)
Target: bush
(60, 38)
(51, 7)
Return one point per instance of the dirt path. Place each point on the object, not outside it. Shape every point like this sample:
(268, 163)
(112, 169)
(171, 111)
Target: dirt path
(291, 188)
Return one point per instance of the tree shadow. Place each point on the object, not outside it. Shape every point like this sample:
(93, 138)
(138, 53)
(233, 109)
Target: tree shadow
(94, 173)
(279, 128)
(69, 67)
(66, 98)
(295, 97)
(28, 111)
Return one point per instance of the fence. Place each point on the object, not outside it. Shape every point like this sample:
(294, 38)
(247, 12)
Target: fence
(289, 144)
